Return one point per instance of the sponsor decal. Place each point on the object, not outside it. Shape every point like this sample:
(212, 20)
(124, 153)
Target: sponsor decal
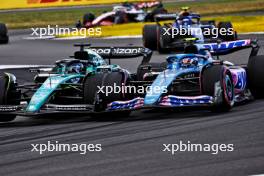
(8, 108)
(117, 51)
(227, 45)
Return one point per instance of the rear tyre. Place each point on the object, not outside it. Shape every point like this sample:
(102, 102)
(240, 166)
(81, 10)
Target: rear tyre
(88, 18)
(120, 17)
(163, 40)
(4, 99)
(215, 78)
(228, 28)
(113, 79)
(4, 39)
(255, 76)
(150, 36)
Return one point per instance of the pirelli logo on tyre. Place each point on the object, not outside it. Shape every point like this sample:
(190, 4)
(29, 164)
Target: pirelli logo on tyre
(22, 4)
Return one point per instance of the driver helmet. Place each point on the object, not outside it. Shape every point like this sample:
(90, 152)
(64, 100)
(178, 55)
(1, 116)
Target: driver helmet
(76, 68)
(184, 12)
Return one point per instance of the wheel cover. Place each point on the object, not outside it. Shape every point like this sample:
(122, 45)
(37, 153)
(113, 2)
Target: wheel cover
(228, 89)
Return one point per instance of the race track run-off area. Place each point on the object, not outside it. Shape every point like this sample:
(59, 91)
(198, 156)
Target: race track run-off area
(130, 145)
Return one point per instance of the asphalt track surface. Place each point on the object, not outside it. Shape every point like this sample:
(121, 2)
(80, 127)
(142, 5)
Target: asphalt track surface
(131, 145)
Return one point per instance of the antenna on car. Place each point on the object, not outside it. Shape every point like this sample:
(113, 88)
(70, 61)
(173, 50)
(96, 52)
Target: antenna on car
(82, 45)
(82, 54)
(189, 41)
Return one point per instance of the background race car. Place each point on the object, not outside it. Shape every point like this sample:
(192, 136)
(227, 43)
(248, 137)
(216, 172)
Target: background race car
(125, 13)
(169, 36)
(3, 34)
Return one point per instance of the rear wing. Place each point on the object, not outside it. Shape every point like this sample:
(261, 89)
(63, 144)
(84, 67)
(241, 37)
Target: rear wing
(174, 16)
(114, 52)
(224, 48)
(165, 17)
(150, 4)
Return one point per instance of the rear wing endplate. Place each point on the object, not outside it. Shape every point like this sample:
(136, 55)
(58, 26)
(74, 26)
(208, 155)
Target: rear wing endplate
(225, 48)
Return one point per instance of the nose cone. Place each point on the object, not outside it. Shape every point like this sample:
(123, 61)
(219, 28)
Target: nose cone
(32, 108)
(151, 99)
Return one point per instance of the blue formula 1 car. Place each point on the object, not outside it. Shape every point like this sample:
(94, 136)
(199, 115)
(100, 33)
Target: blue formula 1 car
(70, 86)
(197, 79)
(169, 36)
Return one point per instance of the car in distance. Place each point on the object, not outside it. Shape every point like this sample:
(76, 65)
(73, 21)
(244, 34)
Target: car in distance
(124, 13)
(169, 36)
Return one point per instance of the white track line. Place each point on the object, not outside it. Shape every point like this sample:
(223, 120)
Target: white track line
(71, 38)
(113, 37)
(246, 33)
(3, 67)
(40, 38)
(139, 36)
(123, 37)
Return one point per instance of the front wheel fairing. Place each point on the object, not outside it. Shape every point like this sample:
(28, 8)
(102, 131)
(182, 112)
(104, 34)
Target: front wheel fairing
(163, 81)
(46, 90)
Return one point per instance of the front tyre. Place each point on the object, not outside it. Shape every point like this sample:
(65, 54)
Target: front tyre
(106, 80)
(217, 82)
(6, 98)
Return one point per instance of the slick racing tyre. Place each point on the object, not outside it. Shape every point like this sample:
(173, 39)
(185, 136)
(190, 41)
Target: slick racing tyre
(150, 36)
(88, 18)
(101, 99)
(90, 88)
(163, 40)
(229, 33)
(120, 17)
(255, 73)
(6, 98)
(217, 82)
(150, 67)
(3, 34)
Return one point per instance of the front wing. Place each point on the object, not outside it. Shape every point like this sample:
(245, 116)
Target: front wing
(166, 101)
(52, 109)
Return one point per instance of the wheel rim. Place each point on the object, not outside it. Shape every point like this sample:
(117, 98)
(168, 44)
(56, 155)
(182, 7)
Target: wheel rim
(229, 89)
